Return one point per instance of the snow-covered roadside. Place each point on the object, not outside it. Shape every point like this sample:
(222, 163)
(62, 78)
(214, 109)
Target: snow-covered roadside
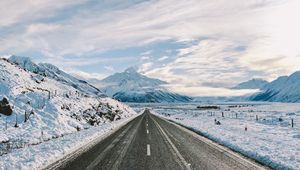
(271, 142)
(46, 113)
(42, 155)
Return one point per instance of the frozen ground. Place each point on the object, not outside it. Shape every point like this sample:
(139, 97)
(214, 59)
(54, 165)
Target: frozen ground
(271, 139)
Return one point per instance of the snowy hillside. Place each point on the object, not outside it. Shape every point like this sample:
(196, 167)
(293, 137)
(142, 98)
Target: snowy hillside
(131, 86)
(252, 84)
(51, 71)
(283, 89)
(41, 103)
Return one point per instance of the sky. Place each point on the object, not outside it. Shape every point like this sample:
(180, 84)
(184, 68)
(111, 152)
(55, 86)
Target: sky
(201, 47)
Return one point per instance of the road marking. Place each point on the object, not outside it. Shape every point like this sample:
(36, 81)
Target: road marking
(147, 131)
(148, 150)
(184, 162)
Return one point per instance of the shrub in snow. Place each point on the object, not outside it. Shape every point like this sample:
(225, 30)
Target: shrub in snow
(5, 108)
(217, 122)
(207, 107)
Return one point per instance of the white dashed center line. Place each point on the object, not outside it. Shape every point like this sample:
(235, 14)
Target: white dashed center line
(148, 150)
(147, 131)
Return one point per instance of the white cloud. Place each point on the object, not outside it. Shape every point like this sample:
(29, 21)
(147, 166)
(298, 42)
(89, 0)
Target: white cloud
(145, 67)
(14, 11)
(208, 91)
(109, 68)
(85, 75)
(145, 58)
(208, 62)
(42, 28)
(143, 23)
(211, 67)
(163, 58)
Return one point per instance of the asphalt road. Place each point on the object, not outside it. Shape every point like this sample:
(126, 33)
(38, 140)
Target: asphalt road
(150, 142)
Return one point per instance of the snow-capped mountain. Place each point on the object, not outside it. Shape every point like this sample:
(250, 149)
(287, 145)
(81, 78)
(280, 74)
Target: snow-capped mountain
(51, 71)
(283, 89)
(252, 84)
(40, 102)
(131, 86)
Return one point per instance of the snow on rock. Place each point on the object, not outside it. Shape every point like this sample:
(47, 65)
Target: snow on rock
(47, 105)
(270, 140)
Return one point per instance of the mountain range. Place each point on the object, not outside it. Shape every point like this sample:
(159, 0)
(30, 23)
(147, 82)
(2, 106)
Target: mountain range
(131, 86)
(252, 84)
(283, 89)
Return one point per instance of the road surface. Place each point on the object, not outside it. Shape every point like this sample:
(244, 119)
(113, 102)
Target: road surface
(150, 142)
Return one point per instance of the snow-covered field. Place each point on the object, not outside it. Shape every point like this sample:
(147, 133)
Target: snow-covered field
(268, 138)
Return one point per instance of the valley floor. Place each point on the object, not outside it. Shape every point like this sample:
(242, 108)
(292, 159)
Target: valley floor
(262, 131)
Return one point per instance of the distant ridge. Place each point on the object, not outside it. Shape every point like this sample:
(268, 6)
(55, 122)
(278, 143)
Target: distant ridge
(252, 84)
(283, 89)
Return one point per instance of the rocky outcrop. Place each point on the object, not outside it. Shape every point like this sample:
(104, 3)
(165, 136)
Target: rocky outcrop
(5, 108)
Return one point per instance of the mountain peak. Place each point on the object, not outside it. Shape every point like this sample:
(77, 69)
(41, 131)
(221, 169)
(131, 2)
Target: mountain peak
(20, 58)
(131, 86)
(24, 62)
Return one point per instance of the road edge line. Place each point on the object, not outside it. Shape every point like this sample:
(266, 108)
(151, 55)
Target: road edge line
(125, 149)
(184, 162)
